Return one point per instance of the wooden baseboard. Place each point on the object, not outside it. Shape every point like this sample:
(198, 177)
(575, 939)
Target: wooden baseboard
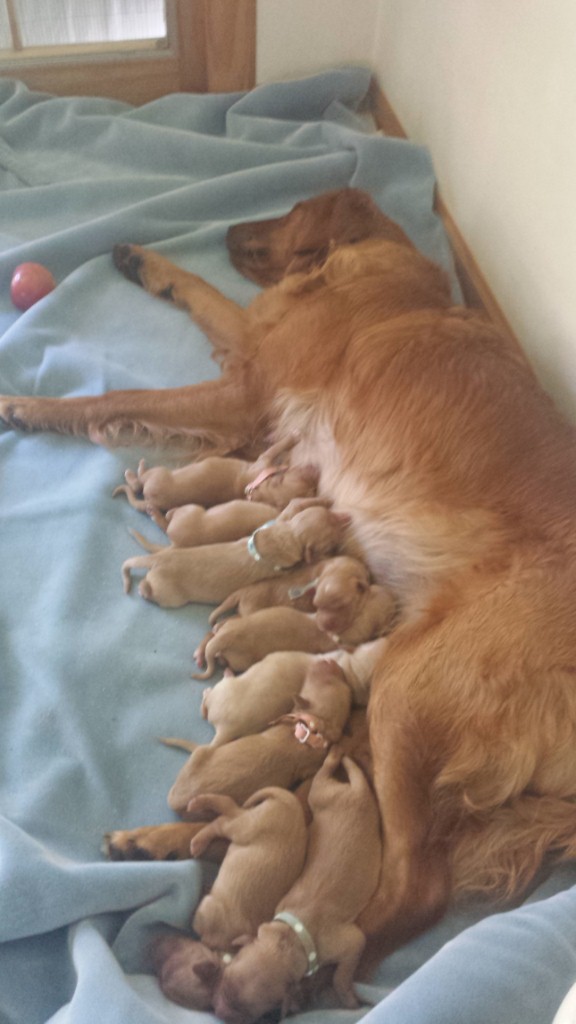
(475, 288)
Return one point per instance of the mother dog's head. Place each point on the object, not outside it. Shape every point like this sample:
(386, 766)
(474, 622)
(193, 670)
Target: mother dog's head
(266, 251)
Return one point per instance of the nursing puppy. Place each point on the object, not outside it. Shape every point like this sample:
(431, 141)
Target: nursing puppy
(275, 757)
(348, 606)
(314, 923)
(247, 703)
(215, 480)
(239, 705)
(240, 642)
(177, 576)
(294, 588)
(189, 526)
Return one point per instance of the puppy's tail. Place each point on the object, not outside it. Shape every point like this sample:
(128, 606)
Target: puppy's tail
(138, 503)
(230, 604)
(137, 562)
(210, 667)
(172, 741)
(146, 544)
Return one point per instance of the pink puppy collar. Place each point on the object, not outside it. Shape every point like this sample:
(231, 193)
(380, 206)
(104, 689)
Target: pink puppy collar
(263, 475)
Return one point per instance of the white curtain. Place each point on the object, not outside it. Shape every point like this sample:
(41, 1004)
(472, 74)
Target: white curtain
(57, 22)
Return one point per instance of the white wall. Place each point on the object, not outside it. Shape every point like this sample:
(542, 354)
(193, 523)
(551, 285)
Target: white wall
(300, 37)
(490, 87)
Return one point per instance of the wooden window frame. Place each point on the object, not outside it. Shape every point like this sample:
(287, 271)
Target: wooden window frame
(211, 48)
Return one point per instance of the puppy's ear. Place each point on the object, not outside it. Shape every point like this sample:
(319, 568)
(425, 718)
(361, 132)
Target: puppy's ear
(342, 517)
(292, 1001)
(302, 703)
(208, 971)
(362, 586)
(309, 554)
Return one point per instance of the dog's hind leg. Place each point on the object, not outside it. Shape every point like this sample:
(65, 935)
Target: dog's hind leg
(223, 414)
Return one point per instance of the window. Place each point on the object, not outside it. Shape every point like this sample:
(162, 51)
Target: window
(135, 50)
(25, 24)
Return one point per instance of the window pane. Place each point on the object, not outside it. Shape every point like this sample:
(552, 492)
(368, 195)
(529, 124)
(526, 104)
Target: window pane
(57, 22)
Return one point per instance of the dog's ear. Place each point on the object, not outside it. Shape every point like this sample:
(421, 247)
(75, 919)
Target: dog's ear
(362, 586)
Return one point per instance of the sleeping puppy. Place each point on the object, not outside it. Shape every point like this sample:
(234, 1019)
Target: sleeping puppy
(285, 754)
(314, 924)
(215, 480)
(177, 576)
(240, 642)
(267, 845)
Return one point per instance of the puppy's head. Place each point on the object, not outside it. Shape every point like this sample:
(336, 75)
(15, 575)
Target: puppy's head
(340, 593)
(296, 482)
(320, 531)
(266, 251)
(326, 694)
(187, 971)
(262, 976)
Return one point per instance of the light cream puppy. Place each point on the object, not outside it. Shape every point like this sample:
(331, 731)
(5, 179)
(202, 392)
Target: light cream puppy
(247, 703)
(177, 576)
(314, 924)
(244, 704)
(194, 525)
(217, 479)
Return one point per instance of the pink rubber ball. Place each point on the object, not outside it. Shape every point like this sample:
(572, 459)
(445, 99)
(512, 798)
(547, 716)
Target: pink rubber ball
(30, 283)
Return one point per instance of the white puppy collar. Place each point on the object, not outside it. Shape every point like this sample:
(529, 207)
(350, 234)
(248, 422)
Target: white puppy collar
(305, 938)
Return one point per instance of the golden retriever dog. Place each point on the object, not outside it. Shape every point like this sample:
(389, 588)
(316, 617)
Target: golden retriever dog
(431, 431)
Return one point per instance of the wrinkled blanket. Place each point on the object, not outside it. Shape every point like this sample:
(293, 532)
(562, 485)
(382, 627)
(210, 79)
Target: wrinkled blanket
(90, 677)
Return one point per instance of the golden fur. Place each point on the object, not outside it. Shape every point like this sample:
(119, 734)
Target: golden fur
(460, 477)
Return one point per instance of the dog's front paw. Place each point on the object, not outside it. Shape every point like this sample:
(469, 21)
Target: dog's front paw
(128, 260)
(157, 842)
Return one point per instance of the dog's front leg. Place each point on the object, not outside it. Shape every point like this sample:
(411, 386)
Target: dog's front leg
(223, 322)
(159, 842)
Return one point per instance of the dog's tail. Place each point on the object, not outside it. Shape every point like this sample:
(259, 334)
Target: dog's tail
(500, 856)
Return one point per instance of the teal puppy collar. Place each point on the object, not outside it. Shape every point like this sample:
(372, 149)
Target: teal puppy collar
(251, 544)
(305, 938)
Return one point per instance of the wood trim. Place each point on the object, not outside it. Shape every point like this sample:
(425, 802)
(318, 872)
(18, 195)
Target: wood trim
(475, 288)
(230, 45)
(212, 49)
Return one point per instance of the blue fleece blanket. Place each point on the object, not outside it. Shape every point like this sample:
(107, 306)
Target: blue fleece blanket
(89, 678)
